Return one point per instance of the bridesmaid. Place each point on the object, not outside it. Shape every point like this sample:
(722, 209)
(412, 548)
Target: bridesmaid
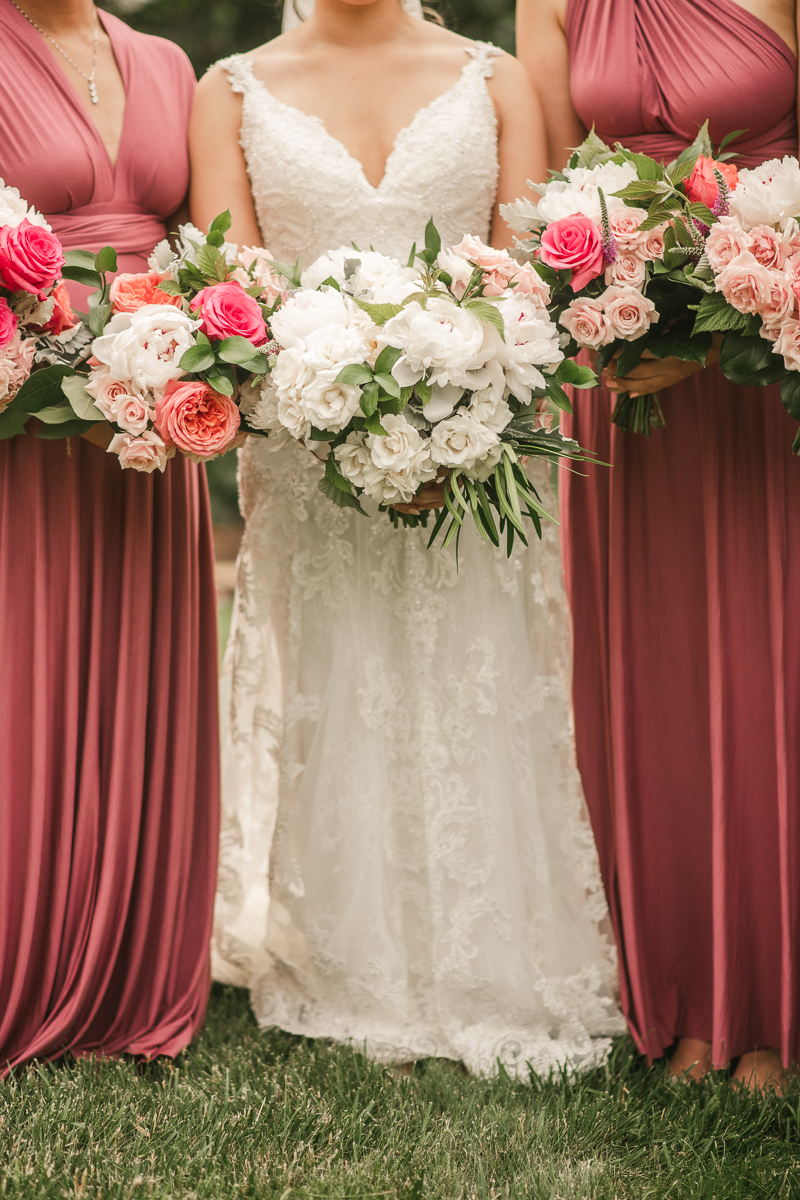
(683, 575)
(108, 723)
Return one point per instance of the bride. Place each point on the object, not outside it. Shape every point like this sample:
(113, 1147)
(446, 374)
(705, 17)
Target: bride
(405, 862)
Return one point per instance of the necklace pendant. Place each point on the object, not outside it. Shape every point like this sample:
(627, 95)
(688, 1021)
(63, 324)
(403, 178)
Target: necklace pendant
(93, 93)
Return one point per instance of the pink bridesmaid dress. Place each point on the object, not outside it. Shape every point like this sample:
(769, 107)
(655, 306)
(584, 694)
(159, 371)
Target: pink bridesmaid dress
(108, 653)
(683, 570)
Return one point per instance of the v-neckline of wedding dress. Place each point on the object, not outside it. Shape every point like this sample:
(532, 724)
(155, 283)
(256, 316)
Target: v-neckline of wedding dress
(402, 134)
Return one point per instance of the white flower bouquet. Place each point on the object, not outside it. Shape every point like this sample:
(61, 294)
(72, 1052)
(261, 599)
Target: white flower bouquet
(436, 370)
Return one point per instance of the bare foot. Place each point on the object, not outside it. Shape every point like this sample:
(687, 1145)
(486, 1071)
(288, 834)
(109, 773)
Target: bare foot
(761, 1071)
(691, 1060)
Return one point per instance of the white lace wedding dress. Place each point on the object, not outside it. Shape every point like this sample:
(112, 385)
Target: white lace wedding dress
(406, 862)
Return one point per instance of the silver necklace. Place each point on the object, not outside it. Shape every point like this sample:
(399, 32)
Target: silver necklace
(89, 78)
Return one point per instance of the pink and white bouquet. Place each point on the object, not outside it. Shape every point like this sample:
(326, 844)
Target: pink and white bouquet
(37, 323)
(619, 238)
(434, 370)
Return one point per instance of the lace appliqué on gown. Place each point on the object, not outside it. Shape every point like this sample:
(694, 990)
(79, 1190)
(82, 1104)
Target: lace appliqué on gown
(405, 858)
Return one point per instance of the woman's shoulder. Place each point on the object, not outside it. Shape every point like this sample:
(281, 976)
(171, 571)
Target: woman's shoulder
(160, 53)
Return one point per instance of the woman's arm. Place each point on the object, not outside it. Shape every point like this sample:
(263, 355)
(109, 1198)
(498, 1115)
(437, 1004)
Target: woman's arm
(522, 142)
(542, 48)
(219, 174)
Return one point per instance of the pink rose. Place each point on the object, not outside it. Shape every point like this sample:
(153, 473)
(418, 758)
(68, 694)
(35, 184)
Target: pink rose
(8, 323)
(651, 243)
(133, 414)
(780, 300)
(226, 311)
(767, 246)
(574, 243)
(145, 453)
(15, 367)
(725, 242)
(256, 270)
(745, 283)
(30, 258)
(196, 419)
(499, 266)
(788, 344)
(626, 268)
(625, 224)
(530, 283)
(108, 393)
(130, 292)
(585, 322)
(628, 313)
(702, 186)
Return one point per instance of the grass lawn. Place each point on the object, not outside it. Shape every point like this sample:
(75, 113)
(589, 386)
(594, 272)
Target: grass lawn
(246, 1113)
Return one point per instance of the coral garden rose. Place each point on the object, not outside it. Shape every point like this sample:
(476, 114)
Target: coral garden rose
(8, 323)
(146, 452)
(628, 313)
(196, 419)
(131, 292)
(702, 186)
(585, 321)
(226, 310)
(62, 317)
(725, 241)
(574, 243)
(745, 283)
(30, 258)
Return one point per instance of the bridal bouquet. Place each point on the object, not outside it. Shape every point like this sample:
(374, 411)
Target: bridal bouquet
(166, 351)
(36, 322)
(621, 240)
(436, 370)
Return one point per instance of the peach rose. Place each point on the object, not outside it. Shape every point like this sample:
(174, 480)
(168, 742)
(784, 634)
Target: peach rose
(768, 246)
(788, 344)
(628, 313)
(626, 268)
(574, 243)
(745, 283)
(131, 292)
(585, 322)
(702, 186)
(145, 453)
(780, 301)
(726, 241)
(197, 420)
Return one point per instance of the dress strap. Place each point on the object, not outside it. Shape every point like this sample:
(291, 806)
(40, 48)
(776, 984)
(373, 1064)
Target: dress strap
(482, 53)
(239, 70)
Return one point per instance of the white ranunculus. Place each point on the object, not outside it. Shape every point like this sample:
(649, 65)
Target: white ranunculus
(330, 405)
(307, 312)
(441, 342)
(353, 458)
(461, 441)
(579, 192)
(767, 194)
(14, 210)
(145, 347)
(531, 342)
(488, 408)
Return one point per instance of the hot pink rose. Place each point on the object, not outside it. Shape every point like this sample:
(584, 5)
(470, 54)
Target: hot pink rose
(627, 267)
(745, 283)
(702, 186)
(197, 420)
(725, 242)
(130, 292)
(226, 311)
(145, 453)
(574, 243)
(628, 313)
(765, 244)
(30, 258)
(788, 344)
(585, 322)
(8, 323)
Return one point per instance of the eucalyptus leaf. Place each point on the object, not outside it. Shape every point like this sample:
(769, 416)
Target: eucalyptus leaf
(83, 405)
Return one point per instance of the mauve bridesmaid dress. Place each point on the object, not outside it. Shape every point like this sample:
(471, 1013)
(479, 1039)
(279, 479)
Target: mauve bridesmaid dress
(108, 653)
(683, 570)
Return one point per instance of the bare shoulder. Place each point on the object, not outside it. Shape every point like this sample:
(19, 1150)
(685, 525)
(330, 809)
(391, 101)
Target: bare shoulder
(542, 12)
(509, 75)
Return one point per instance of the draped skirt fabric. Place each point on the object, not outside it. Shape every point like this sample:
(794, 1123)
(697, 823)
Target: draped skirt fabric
(108, 752)
(684, 578)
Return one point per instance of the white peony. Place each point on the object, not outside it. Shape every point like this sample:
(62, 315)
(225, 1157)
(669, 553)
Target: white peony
(145, 347)
(462, 441)
(307, 312)
(531, 342)
(335, 346)
(767, 194)
(367, 274)
(579, 192)
(14, 210)
(441, 342)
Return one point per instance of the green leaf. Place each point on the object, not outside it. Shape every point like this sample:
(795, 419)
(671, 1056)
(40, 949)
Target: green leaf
(702, 212)
(386, 360)
(702, 144)
(412, 256)
(687, 347)
(726, 141)
(559, 397)
(630, 355)
(99, 312)
(573, 373)
(221, 379)
(83, 405)
(322, 435)
(207, 259)
(216, 239)
(647, 168)
(222, 223)
(338, 489)
(197, 358)
(331, 282)
(12, 422)
(373, 425)
(80, 258)
(236, 350)
(369, 399)
(355, 374)
(489, 313)
(389, 384)
(170, 287)
(106, 260)
(591, 152)
(380, 313)
(41, 389)
(750, 361)
(391, 404)
(715, 314)
(67, 429)
(433, 243)
(82, 275)
(423, 391)
(56, 414)
(790, 394)
(682, 169)
(641, 189)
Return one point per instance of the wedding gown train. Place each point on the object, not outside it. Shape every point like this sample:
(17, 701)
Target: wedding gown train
(405, 859)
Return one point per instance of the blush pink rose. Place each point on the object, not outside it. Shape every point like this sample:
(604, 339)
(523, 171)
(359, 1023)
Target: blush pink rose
(628, 313)
(765, 244)
(130, 292)
(256, 271)
(197, 420)
(625, 224)
(780, 302)
(145, 453)
(702, 186)
(108, 392)
(15, 367)
(8, 323)
(651, 243)
(627, 267)
(788, 344)
(574, 243)
(585, 321)
(745, 283)
(529, 282)
(725, 242)
(133, 414)
(226, 311)
(499, 266)
(30, 258)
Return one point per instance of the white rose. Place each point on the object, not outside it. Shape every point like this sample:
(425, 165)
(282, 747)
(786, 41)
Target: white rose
(330, 405)
(145, 453)
(493, 412)
(767, 194)
(399, 463)
(531, 342)
(353, 458)
(461, 441)
(146, 347)
(441, 341)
